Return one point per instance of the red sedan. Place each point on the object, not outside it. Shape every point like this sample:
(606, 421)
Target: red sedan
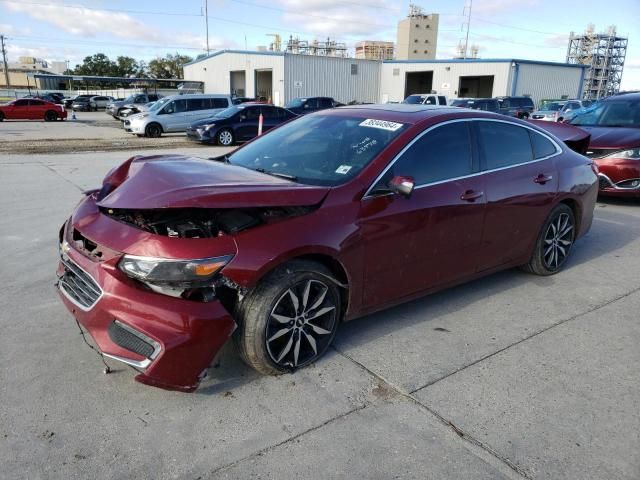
(614, 126)
(32, 109)
(326, 218)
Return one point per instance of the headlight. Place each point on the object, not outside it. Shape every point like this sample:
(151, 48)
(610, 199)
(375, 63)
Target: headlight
(209, 127)
(632, 154)
(177, 272)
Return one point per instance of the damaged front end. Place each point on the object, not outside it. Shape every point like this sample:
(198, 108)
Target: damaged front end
(166, 306)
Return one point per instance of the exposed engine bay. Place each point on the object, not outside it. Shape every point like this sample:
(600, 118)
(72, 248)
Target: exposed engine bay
(202, 222)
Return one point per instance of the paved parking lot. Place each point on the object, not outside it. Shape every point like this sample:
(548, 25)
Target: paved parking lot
(90, 131)
(511, 376)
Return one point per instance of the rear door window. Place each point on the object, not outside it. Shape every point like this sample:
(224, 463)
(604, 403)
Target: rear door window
(542, 146)
(22, 103)
(442, 100)
(194, 104)
(503, 144)
(36, 103)
(440, 154)
(325, 103)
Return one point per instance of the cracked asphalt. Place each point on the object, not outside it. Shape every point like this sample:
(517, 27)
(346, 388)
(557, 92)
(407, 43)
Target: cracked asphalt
(511, 376)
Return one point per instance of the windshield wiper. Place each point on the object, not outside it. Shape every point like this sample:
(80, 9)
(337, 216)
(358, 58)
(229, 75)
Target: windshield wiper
(277, 174)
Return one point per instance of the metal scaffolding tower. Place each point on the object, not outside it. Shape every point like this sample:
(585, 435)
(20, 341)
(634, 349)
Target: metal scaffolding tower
(330, 48)
(604, 53)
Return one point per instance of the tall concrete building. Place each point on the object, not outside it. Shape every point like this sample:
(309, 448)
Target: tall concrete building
(374, 50)
(417, 35)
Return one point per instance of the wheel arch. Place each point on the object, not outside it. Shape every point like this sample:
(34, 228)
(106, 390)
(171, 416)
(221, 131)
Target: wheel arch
(321, 255)
(576, 208)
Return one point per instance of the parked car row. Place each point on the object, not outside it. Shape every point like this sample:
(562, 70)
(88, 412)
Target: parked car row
(209, 118)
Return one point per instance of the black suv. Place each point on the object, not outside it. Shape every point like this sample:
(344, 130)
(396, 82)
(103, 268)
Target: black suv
(300, 106)
(486, 104)
(520, 107)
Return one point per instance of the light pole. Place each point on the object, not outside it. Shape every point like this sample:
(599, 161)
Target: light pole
(206, 21)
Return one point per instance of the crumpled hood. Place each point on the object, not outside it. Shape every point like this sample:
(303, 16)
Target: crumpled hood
(613, 137)
(177, 181)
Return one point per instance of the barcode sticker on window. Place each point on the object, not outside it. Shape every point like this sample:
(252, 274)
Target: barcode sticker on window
(382, 124)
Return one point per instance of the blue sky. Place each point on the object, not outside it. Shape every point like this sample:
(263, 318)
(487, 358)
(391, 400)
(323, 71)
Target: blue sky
(531, 29)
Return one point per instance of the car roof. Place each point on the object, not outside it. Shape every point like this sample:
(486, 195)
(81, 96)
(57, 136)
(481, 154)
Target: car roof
(410, 113)
(623, 96)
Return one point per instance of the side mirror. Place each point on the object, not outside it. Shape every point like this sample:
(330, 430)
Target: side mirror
(306, 106)
(402, 186)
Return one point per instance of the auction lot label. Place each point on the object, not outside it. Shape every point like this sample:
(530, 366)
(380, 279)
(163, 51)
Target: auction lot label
(382, 124)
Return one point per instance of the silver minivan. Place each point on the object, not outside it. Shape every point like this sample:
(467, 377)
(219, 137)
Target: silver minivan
(175, 114)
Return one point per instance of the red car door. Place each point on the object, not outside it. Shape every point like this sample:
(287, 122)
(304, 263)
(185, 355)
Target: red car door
(37, 109)
(18, 110)
(521, 184)
(432, 238)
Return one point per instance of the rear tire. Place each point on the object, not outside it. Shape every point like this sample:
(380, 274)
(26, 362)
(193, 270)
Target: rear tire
(554, 242)
(225, 138)
(290, 319)
(153, 130)
(50, 116)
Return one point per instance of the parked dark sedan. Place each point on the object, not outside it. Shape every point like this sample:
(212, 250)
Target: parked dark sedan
(84, 104)
(324, 219)
(238, 123)
(614, 125)
(68, 102)
(302, 106)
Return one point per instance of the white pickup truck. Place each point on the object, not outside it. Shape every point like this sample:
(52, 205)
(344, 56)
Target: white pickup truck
(426, 99)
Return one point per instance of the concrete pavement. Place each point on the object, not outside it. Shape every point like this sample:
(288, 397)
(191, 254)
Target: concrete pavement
(511, 376)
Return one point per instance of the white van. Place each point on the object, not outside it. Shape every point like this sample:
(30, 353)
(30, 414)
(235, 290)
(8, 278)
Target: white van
(175, 114)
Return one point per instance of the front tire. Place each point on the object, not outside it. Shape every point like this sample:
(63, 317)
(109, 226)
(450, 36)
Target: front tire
(153, 130)
(290, 319)
(1, 117)
(554, 242)
(225, 137)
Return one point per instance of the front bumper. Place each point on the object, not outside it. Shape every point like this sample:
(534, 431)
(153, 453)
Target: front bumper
(133, 126)
(199, 135)
(626, 188)
(171, 341)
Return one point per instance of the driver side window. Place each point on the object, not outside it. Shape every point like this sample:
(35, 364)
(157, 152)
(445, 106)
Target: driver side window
(441, 154)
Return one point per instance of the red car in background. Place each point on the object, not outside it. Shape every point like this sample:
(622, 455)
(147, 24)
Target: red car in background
(325, 218)
(614, 125)
(32, 109)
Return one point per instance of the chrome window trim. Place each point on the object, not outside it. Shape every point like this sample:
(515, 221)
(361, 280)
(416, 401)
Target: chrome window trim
(481, 172)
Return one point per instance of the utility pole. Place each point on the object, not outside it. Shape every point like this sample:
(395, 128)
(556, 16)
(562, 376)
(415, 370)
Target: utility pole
(4, 61)
(466, 42)
(206, 20)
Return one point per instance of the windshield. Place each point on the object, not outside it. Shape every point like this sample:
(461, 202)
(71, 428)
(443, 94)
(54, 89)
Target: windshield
(319, 149)
(617, 113)
(159, 104)
(553, 106)
(295, 103)
(414, 99)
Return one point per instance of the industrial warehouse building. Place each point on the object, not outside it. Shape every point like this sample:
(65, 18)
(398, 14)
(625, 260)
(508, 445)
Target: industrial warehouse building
(283, 76)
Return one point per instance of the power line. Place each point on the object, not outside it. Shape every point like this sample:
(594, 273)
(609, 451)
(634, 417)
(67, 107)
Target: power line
(113, 10)
(4, 61)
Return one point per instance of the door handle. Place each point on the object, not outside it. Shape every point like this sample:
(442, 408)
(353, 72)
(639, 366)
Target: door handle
(542, 178)
(471, 195)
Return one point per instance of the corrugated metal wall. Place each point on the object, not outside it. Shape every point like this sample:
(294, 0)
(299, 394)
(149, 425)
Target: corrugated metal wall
(307, 75)
(445, 81)
(547, 81)
(215, 72)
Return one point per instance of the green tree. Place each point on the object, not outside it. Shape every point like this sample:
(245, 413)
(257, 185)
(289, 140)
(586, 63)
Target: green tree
(127, 67)
(169, 66)
(98, 64)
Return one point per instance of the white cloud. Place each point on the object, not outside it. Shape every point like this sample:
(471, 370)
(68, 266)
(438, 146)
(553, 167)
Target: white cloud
(494, 7)
(340, 19)
(557, 40)
(86, 23)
